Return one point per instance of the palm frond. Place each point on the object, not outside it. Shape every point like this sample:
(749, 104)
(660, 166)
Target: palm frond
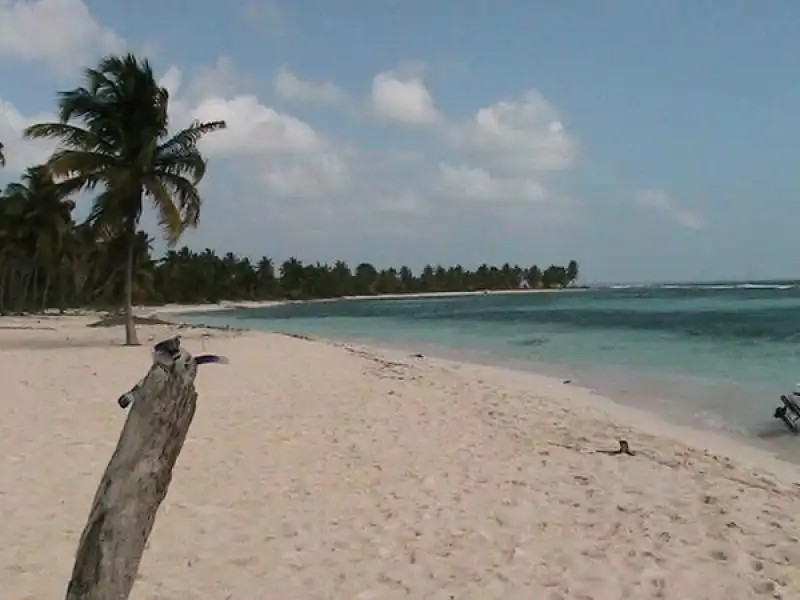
(107, 217)
(121, 67)
(189, 164)
(76, 183)
(186, 194)
(169, 215)
(69, 136)
(66, 163)
(15, 189)
(96, 80)
(37, 175)
(188, 138)
(80, 103)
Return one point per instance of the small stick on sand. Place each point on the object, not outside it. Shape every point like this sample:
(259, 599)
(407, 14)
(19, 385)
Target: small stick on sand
(623, 449)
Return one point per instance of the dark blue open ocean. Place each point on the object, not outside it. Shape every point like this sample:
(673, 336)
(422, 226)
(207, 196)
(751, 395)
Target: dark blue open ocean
(711, 354)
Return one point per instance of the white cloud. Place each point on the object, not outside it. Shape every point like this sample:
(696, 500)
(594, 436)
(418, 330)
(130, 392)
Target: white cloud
(291, 88)
(312, 176)
(277, 176)
(659, 201)
(403, 202)
(295, 174)
(472, 183)
(510, 148)
(60, 33)
(520, 136)
(221, 79)
(21, 153)
(283, 153)
(172, 80)
(254, 127)
(402, 98)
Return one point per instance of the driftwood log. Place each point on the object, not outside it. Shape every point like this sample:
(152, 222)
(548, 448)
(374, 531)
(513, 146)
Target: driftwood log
(135, 482)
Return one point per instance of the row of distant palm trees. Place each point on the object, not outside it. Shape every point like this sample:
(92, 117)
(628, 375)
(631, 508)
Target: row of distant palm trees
(185, 276)
(48, 260)
(113, 140)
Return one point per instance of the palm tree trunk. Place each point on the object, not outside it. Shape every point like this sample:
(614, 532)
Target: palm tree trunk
(61, 282)
(46, 290)
(25, 286)
(3, 285)
(130, 323)
(35, 286)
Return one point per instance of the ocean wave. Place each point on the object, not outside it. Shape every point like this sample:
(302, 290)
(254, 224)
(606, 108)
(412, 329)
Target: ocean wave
(766, 286)
(730, 286)
(704, 286)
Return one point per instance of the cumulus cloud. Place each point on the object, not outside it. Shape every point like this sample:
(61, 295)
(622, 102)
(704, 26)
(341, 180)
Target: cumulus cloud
(310, 176)
(405, 99)
(291, 88)
(506, 151)
(296, 174)
(173, 81)
(254, 127)
(403, 202)
(221, 78)
(473, 183)
(283, 153)
(659, 201)
(60, 33)
(520, 136)
(502, 154)
(21, 153)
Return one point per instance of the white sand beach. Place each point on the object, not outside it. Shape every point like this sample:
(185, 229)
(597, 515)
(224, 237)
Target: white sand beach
(314, 471)
(171, 309)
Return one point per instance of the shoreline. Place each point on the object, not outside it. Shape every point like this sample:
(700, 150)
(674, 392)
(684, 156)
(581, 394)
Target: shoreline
(226, 305)
(743, 449)
(326, 469)
(649, 396)
(740, 447)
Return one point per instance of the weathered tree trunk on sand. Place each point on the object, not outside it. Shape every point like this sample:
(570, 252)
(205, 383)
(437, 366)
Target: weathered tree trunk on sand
(137, 477)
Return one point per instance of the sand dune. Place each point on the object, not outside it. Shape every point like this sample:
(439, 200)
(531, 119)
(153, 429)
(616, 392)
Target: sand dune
(315, 471)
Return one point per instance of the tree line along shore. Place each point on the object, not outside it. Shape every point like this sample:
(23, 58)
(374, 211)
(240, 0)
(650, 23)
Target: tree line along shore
(115, 149)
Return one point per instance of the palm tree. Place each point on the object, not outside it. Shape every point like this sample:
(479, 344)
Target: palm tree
(2, 155)
(572, 271)
(46, 222)
(114, 132)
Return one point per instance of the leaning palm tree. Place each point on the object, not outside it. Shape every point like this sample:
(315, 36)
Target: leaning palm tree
(114, 133)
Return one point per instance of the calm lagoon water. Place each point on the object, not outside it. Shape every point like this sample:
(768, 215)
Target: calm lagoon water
(717, 355)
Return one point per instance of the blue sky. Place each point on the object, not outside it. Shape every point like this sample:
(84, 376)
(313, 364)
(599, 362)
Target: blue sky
(647, 140)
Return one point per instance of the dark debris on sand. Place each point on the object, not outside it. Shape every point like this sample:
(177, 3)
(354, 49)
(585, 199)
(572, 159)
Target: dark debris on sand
(117, 320)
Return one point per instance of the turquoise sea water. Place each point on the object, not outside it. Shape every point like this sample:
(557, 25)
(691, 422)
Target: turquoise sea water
(711, 354)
